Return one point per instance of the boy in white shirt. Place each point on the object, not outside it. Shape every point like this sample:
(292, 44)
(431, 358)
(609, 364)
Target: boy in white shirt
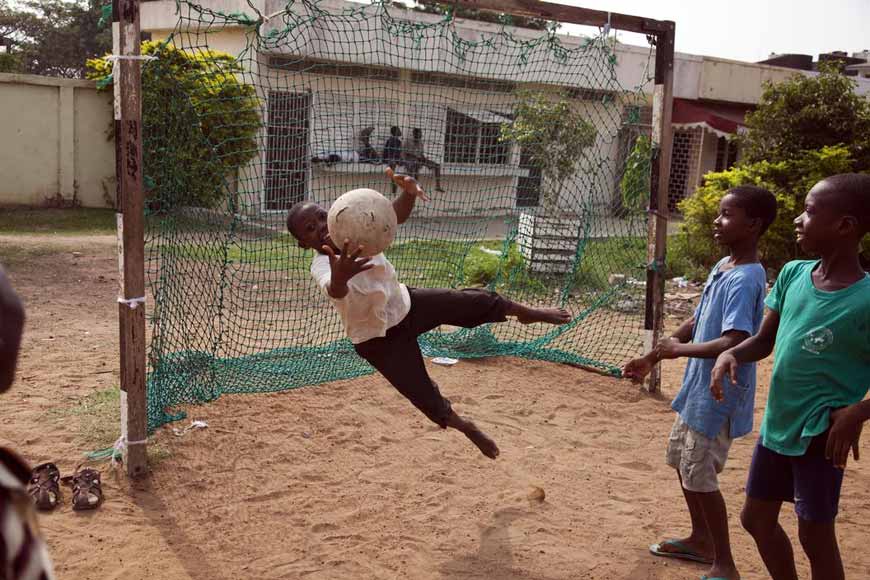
(383, 318)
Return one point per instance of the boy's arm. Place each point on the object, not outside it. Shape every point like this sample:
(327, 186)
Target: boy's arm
(337, 290)
(740, 308)
(682, 334)
(759, 346)
(671, 348)
(343, 267)
(685, 331)
(640, 367)
(404, 204)
(752, 349)
(845, 433)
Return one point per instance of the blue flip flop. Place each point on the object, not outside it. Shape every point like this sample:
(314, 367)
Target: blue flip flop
(683, 553)
(713, 578)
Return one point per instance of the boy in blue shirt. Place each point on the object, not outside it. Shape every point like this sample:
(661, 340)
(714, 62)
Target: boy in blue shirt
(819, 320)
(730, 310)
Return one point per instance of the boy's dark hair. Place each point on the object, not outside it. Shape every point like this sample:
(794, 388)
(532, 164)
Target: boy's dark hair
(395, 131)
(291, 215)
(852, 192)
(757, 202)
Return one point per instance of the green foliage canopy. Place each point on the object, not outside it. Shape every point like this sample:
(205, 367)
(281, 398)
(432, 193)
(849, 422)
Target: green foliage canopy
(201, 122)
(51, 37)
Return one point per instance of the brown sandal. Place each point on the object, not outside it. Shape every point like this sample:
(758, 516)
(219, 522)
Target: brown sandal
(87, 490)
(44, 486)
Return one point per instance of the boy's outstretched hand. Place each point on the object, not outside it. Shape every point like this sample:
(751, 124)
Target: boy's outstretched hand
(347, 264)
(408, 184)
(637, 369)
(845, 433)
(725, 364)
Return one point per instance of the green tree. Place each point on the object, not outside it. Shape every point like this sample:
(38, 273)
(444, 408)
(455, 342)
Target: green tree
(789, 180)
(52, 37)
(553, 135)
(9, 63)
(804, 129)
(805, 114)
(201, 123)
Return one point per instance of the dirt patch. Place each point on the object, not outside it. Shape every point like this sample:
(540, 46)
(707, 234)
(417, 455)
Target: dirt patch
(347, 480)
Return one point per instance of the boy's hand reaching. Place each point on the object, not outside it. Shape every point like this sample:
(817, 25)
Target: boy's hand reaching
(845, 433)
(637, 369)
(725, 364)
(408, 184)
(346, 265)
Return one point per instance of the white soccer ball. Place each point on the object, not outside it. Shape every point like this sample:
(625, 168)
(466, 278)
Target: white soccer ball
(366, 218)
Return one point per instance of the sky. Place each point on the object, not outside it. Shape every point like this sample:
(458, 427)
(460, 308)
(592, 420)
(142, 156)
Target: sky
(750, 30)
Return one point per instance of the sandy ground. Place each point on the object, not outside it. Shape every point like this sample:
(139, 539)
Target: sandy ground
(347, 481)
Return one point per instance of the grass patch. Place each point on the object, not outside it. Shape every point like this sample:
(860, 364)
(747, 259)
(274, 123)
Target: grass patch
(12, 256)
(14, 220)
(445, 263)
(429, 263)
(606, 256)
(267, 254)
(96, 421)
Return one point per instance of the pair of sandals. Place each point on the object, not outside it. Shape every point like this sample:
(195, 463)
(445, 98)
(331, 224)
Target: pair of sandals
(44, 487)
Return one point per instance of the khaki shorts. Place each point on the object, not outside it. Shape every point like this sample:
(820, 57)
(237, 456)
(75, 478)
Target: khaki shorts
(698, 458)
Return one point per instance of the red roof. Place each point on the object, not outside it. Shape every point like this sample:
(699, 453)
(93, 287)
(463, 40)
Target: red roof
(718, 118)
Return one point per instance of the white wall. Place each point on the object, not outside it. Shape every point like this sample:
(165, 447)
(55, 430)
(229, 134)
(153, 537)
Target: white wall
(53, 141)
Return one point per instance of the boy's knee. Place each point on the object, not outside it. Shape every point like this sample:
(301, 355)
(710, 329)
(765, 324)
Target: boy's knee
(756, 524)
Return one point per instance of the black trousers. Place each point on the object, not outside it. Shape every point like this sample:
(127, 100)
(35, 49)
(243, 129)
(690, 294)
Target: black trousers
(397, 355)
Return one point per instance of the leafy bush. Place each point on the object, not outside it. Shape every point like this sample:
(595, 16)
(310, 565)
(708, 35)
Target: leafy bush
(200, 123)
(804, 130)
(482, 268)
(788, 180)
(681, 261)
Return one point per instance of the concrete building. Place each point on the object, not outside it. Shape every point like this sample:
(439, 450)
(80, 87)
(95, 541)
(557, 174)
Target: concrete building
(322, 90)
(712, 96)
(314, 101)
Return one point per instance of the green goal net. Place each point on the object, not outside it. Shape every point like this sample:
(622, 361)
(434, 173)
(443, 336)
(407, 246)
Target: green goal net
(533, 145)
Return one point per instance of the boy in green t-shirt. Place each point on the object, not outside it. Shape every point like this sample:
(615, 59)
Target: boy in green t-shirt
(819, 320)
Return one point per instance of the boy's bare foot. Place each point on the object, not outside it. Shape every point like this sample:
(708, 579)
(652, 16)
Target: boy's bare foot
(527, 315)
(486, 445)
